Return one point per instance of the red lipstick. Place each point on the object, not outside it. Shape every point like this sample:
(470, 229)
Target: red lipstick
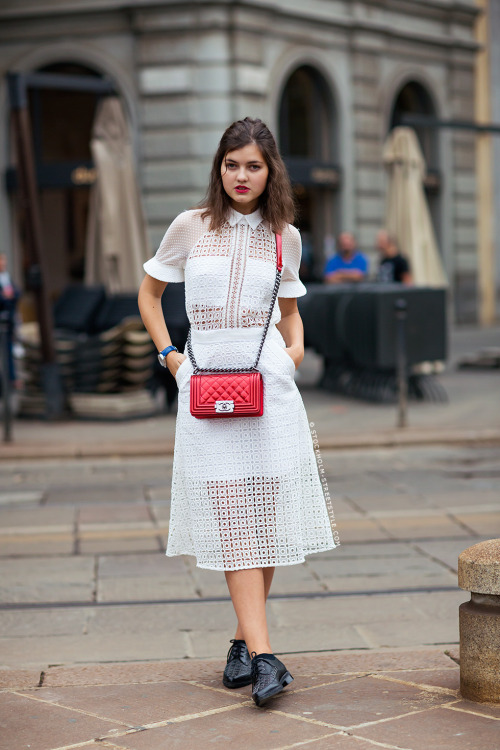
(241, 189)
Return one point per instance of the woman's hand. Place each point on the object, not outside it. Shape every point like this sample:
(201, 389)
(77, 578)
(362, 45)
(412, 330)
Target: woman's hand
(174, 361)
(296, 353)
(291, 328)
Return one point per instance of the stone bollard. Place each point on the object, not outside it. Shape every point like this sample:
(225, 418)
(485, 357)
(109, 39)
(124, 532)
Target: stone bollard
(479, 573)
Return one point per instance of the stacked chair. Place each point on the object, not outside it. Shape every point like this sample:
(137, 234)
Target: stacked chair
(106, 357)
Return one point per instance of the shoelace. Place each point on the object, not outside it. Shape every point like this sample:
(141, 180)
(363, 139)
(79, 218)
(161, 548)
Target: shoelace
(237, 650)
(260, 666)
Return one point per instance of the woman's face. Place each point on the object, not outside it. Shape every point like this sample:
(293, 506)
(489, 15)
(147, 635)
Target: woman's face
(244, 177)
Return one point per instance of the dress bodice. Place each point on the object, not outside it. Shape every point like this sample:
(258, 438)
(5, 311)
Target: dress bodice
(229, 273)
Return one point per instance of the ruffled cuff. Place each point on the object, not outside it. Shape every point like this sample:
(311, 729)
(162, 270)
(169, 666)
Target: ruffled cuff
(292, 289)
(162, 272)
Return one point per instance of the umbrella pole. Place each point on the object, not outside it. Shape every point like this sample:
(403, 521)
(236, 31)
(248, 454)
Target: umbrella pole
(400, 307)
(50, 373)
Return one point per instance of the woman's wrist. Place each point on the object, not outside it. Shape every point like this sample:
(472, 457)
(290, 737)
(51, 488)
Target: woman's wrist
(296, 352)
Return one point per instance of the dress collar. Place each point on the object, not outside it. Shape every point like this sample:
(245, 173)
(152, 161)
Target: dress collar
(253, 219)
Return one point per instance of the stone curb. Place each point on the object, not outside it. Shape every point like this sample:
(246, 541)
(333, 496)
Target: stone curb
(390, 439)
(343, 660)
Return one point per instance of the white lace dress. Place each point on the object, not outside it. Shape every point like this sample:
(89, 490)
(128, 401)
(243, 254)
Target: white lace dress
(246, 492)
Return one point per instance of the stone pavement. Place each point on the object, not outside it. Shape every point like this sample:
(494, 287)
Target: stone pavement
(105, 642)
(84, 577)
(356, 700)
(94, 618)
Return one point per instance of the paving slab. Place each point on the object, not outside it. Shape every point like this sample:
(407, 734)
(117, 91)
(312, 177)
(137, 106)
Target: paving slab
(27, 722)
(90, 495)
(439, 729)
(316, 638)
(239, 728)
(360, 530)
(145, 589)
(161, 512)
(118, 513)
(375, 504)
(163, 618)
(422, 527)
(136, 705)
(311, 665)
(348, 610)
(412, 565)
(38, 519)
(445, 550)
(446, 679)
(389, 633)
(482, 523)
(465, 499)
(87, 648)
(340, 741)
(387, 583)
(361, 699)
(483, 709)
(363, 550)
(47, 579)
(17, 679)
(137, 672)
(123, 544)
(43, 622)
(213, 583)
(15, 497)
(441, 605)
(35, 545)
(156, 565)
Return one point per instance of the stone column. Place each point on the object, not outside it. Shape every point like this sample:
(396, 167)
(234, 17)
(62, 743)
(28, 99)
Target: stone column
(479, 573)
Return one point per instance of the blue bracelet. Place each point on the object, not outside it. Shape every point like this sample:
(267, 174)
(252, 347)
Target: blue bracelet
(162, 356)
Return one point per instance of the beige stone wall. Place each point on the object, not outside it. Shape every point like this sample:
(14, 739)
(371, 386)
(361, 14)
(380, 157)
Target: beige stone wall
(188, 71)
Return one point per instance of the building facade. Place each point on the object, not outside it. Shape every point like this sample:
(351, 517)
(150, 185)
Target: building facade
(330, 77)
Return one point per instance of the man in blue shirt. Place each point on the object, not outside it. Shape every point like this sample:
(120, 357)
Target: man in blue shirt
(348, 265)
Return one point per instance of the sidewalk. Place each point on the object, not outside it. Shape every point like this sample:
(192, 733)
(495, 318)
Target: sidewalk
(107, 643)
(358, 700)
(471, 416)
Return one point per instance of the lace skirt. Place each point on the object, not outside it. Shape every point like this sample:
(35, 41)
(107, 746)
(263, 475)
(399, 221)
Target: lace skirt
(246, 492)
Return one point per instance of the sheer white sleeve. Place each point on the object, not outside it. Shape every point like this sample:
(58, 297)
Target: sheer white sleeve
(291, 285)
(170, 260)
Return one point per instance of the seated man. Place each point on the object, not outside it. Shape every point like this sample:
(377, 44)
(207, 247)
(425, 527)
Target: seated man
(348, 264)
(393, 266)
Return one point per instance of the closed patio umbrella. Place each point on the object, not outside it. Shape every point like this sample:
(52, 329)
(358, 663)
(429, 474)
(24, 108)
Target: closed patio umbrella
(407, 212)
(117, 240)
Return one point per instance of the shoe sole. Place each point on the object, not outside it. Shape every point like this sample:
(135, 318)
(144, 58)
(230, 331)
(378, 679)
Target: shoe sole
(265, 695)
(241, 682)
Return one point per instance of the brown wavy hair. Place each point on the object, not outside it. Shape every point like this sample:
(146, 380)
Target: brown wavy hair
(276, 202)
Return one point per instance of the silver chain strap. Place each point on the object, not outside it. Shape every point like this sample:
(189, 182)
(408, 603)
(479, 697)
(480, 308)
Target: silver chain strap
(266, 326)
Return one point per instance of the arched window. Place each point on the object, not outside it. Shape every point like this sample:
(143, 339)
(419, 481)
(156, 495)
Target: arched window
(414, 99)
(62, 100)
(308, 132)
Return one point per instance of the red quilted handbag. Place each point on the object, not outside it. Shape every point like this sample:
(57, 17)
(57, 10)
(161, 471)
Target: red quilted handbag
(239, 394)
(231, 392)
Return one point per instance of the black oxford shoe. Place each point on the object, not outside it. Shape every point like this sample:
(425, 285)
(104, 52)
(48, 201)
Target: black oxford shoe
(269, 677)
(238, 671)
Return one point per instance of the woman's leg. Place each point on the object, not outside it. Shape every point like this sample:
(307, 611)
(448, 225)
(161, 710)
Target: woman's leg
(268, 579)
(248, 592)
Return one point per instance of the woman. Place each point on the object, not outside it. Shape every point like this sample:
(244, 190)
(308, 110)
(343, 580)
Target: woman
(246, 495)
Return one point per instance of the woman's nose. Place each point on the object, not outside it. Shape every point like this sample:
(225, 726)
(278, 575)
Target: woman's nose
(242, 175)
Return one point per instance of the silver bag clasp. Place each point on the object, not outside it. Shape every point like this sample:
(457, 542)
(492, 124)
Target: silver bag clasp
(224, 406)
